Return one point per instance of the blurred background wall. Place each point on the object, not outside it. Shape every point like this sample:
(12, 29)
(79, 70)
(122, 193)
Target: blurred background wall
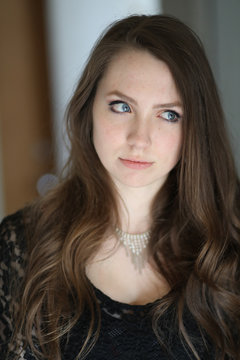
(25, 109)
(218, 26)
(44, 45)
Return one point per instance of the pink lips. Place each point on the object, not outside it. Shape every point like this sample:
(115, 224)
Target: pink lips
(135, 164)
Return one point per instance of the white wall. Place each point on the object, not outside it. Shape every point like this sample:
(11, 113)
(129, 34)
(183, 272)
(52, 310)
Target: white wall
(73, 26)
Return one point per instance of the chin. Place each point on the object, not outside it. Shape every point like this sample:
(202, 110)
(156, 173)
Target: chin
(141, 183)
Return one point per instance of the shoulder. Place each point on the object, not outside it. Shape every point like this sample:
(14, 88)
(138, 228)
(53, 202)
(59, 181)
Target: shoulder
(13, 242)
(13, 238)
(12, 268)
(13, 251)
(12, 225)
(13, 258)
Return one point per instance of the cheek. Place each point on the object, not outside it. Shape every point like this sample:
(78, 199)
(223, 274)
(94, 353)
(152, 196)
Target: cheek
(105, 137)
(106, 132)
(170, 145)
(176, 144)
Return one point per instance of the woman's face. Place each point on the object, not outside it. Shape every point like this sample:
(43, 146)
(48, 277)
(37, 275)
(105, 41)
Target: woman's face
(137, 120)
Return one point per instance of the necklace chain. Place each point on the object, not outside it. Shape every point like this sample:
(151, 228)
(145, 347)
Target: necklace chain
(135, 245)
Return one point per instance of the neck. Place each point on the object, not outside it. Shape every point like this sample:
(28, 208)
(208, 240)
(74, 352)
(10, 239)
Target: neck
(134, 209)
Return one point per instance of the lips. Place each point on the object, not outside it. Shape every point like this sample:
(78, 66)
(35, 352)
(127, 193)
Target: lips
(135, 164)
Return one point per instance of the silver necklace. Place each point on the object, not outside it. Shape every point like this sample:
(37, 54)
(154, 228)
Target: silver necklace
(136, 246)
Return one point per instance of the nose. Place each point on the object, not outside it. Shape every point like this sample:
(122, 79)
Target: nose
(139, 133)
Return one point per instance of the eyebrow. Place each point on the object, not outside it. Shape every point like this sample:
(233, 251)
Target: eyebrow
(157, 106)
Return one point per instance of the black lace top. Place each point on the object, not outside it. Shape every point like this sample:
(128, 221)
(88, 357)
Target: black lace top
(126, 330)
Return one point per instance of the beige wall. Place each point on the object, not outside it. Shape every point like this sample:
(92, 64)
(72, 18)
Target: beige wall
(1, 180)
(24, 102)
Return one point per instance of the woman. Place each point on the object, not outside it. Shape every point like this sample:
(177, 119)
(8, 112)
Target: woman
(149, 156)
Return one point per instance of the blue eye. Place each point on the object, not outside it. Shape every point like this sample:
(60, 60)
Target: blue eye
(119, 106)
(170, 115)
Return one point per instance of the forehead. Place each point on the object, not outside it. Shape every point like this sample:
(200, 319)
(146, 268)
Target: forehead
(135, 61)
(139, 72)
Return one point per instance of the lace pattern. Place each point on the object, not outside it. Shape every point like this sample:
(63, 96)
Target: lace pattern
(126, 330)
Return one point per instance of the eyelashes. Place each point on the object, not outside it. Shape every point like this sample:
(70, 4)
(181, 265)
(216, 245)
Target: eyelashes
(121, 107)
(171, 116)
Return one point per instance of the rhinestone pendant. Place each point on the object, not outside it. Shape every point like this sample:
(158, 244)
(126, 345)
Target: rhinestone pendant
(136, 247)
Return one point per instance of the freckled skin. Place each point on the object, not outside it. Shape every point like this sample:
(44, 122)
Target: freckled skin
(142, 133)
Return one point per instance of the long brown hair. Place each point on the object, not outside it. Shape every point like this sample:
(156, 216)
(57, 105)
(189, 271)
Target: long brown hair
(195, 232)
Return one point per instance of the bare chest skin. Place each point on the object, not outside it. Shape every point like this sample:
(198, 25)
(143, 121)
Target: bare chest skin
(112, 272)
